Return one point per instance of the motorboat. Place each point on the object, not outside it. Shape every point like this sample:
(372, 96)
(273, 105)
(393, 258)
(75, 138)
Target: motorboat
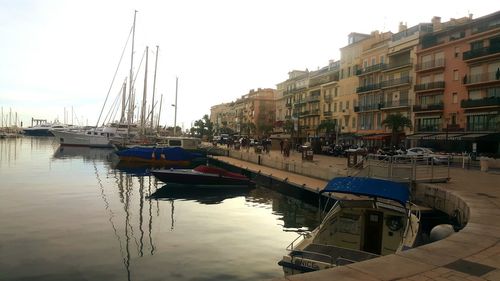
(89, 138)
(201, 175)
(38, 130)
(198, 193)
(165, 156)
(371, 218)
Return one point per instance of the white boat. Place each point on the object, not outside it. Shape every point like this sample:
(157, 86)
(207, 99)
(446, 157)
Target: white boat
(38, 130)
(372, 219)
(89, 138)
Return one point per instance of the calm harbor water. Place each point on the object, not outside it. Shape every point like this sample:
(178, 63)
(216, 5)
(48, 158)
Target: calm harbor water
(71, 214)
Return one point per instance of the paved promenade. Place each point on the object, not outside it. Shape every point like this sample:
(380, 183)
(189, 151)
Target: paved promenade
(471, 254)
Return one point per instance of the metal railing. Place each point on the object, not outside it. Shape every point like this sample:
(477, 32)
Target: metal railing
(430, 168)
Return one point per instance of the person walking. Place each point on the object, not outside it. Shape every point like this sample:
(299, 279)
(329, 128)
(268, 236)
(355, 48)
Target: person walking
(281, 146)
(286, 148)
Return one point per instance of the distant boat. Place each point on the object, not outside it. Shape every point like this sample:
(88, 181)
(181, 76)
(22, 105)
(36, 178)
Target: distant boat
(38, 130)
(165, 156)
(88, 138)
(374, 218)
(201, 175)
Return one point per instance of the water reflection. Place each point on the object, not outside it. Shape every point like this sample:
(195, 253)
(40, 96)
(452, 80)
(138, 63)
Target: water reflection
(85, 153)
(120, 223)
(202, 195)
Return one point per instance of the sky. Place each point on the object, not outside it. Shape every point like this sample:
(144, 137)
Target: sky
(58, 58)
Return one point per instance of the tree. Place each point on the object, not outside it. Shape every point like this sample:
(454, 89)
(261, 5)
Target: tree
(248, 128)
(397, 123)
(203, 127)
(328, 126)
(288, 126)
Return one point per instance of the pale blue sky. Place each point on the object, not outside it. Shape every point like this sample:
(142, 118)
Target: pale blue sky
(58, 54)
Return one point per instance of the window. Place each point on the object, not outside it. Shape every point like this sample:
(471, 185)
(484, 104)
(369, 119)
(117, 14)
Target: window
(365, 63)
(340, 106)
(354, 122)
(455, 74)
(382, 59)
(475, 95)
(454, 97)
(336, 91)
(493, 92)
(374, 61)
(457, 52)
(347, 105)
(476, 45)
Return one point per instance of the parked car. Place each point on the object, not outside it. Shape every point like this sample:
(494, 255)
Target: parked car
(427, 153)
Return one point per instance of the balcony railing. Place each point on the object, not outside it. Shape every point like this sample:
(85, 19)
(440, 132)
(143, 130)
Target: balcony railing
(481, 52)
(428, 107)
(395, 103)
(327, 113)
(367, 88)
(396, 82)
(429, 86)
(482, 77)
(372, 68)
(398, 64)
(492, 101)
(367, 107)
(313, 99)
(430, 64)
(428, 128)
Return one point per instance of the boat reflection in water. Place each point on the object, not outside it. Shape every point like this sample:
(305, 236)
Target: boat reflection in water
(85, 153)
(203, 195)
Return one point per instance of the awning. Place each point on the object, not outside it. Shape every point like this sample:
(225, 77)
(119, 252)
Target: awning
(419, 136)
(482, 136)
(444, 136)
(376, 137)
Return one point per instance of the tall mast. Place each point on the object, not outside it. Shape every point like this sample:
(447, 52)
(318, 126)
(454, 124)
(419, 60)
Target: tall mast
(143, 110)
(124, 98)
(154, 89)
(131, 107)
(159, 113)
(175, 106)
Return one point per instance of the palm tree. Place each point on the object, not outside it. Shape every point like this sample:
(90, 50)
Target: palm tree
(328, 126)
(397, 123)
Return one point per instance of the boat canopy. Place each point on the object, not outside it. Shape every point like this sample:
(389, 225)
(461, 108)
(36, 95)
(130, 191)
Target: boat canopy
(395, 191)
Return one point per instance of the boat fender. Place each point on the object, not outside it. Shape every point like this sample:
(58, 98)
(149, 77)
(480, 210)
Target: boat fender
(153, 155)
(162, 156)
(441, 231)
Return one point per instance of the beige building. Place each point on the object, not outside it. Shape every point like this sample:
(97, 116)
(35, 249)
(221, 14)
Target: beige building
(253, 114)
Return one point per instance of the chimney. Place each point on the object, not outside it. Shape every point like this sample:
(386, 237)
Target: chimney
(402, 26)
(436, 23)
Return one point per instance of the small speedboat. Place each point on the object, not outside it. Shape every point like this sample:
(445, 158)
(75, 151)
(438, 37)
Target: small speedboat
(371, 218)
(201, 175)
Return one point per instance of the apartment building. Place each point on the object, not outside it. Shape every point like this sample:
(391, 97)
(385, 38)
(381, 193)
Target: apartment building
(252, 114)
(370, 95)
(458, 85)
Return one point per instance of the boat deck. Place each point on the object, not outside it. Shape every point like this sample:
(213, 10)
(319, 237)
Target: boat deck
(332, 254)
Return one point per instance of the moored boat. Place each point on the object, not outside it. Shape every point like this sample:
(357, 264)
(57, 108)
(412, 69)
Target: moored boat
(88, 138)
(165, 156)
(201, 175)
(373, 218)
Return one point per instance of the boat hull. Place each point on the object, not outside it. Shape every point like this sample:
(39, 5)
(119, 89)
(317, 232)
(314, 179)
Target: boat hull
(191, 177)
(68, 138)
(38, 132)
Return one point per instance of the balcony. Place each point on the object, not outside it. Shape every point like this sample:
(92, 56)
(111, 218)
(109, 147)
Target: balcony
(492, 101)
(430, 65)
(429, 86)
(428, 128)
(482, 78)
(396, 82)
(367, 107)
(327, 113)
(428, 107)
(313, 99)
(368, 88)
(481, 52)
(398, 64)
(288, 104)
(371, 69)
(395, 103)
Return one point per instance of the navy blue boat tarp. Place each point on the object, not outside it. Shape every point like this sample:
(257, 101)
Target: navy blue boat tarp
(170, 153)
(395, 191)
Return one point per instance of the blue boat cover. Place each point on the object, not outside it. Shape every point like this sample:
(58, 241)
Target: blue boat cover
(370, 187)
(170, 153)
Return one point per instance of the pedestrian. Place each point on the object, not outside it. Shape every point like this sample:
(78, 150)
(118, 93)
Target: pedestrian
(281, 146)
(286, 148)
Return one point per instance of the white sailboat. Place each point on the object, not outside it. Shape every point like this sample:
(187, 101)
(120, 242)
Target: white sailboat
(101, 136)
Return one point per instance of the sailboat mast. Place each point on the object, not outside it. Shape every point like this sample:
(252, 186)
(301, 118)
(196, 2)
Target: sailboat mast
(143, 110)
(159, 113)
(175, 106)
(131, 86)
(124, 98)
(154, 88)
